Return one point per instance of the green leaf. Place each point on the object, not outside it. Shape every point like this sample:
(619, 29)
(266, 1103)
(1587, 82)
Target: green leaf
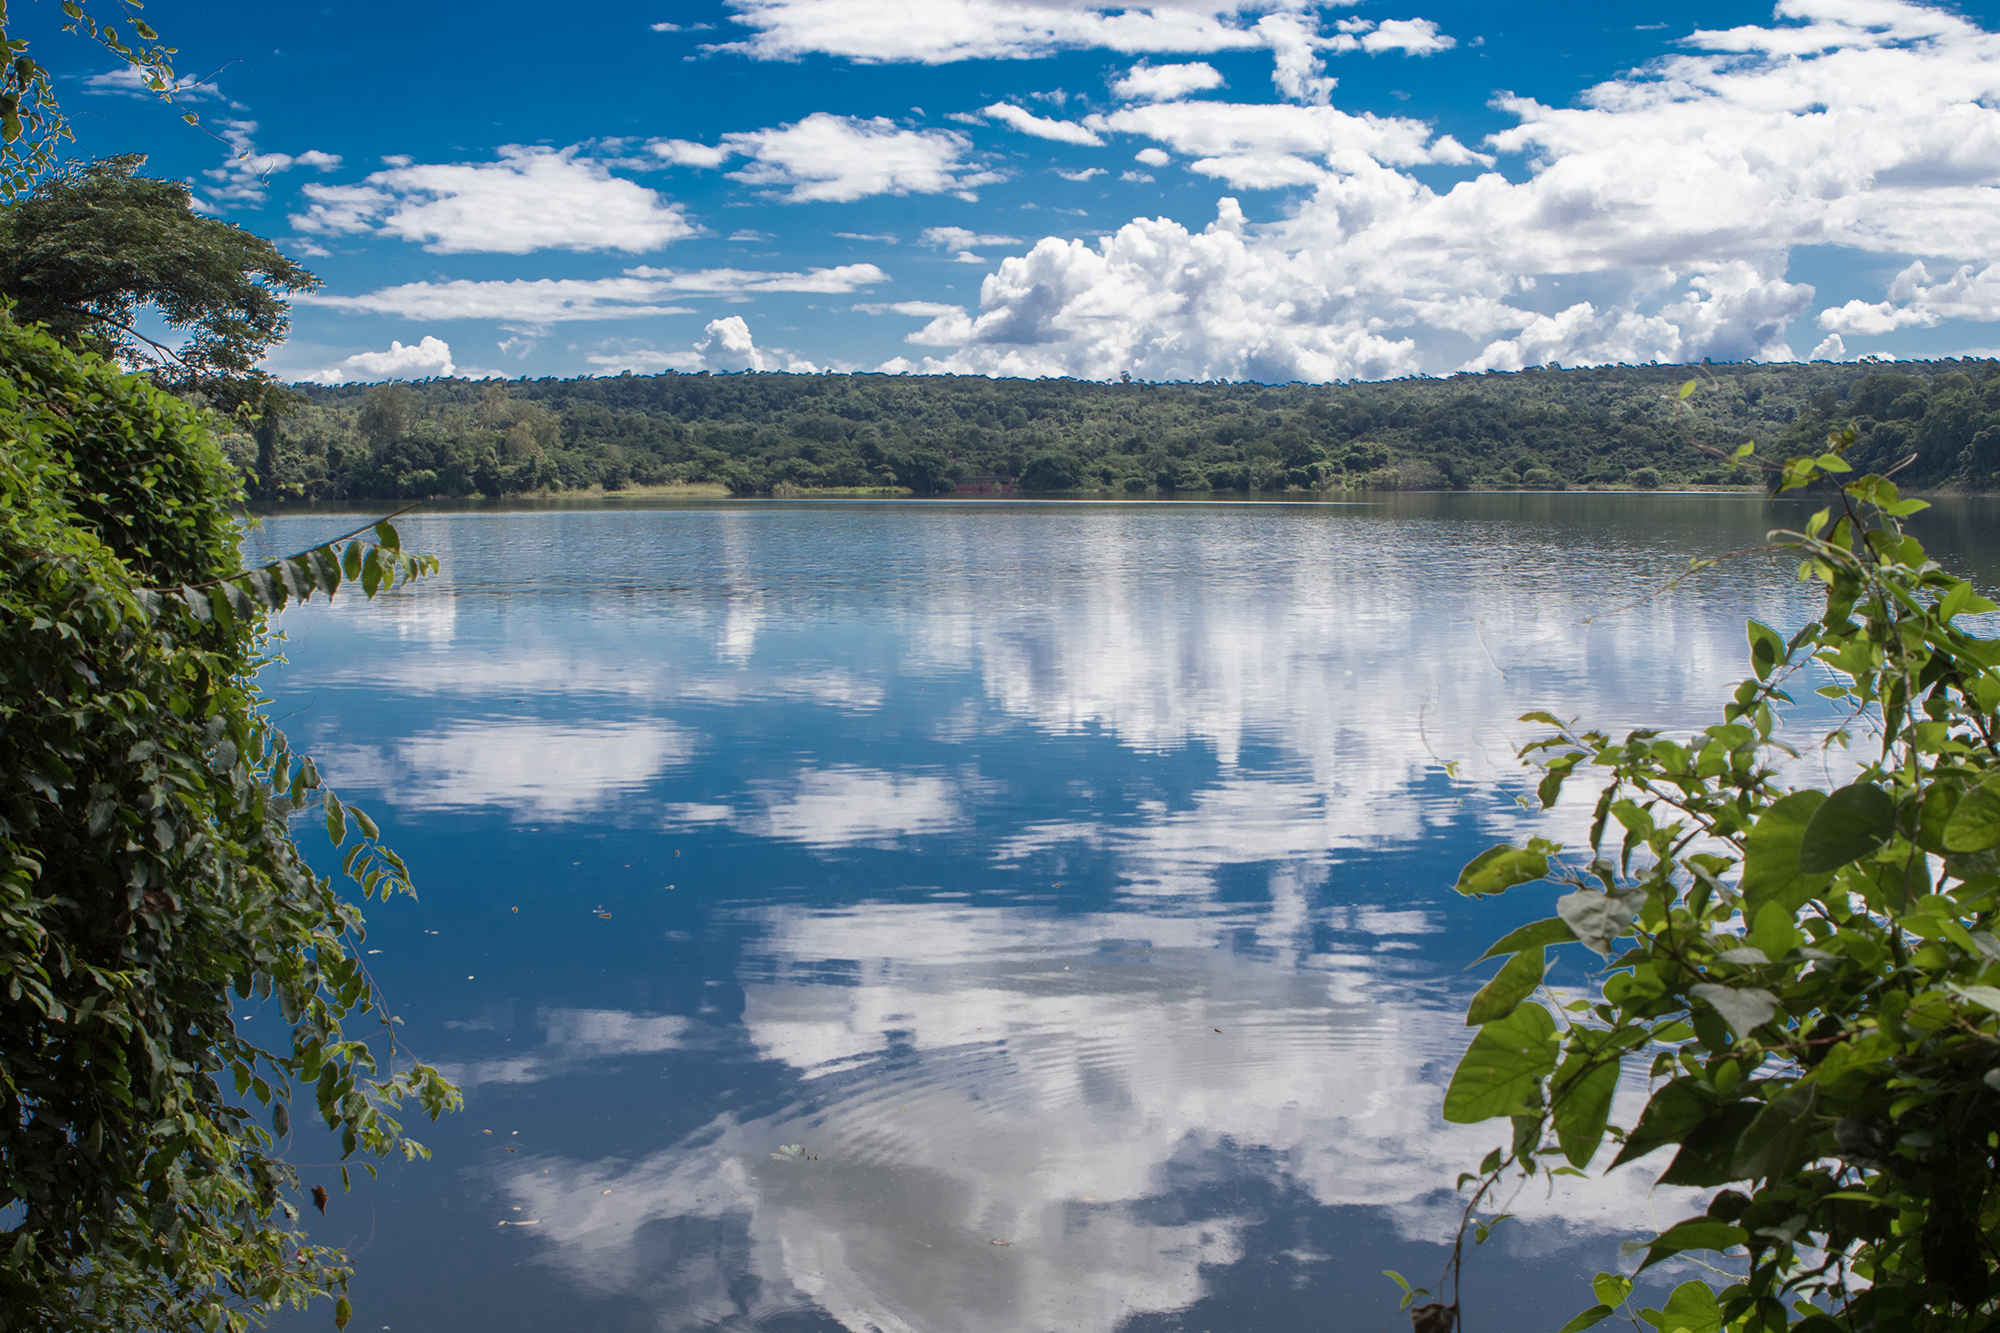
(1697, 1233)
(1550, 930)
(1597, 918)
(336, 820)
(1692, 1306)
(1611, 1288)
(1744, 1008)
(1772, 1142)
(1775, 931)
(1771, 854)
(1500, 868)
(1501, 1071)
(1985, 996)
(1708, 1151)
(1767, 648)
(1673, 1111)
(1975, 825)
(343, 1310)
(1583, 1104)
(1512, 984)
(1590, 1318)
(1848, 825)
(1687, 390)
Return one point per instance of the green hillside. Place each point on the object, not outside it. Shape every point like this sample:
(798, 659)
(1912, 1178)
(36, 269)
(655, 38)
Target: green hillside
(761, 434)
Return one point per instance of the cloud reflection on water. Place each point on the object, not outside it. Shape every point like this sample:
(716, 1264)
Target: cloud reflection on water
(971, 1074)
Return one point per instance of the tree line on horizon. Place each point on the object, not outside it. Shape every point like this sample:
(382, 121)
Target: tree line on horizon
(780, 434)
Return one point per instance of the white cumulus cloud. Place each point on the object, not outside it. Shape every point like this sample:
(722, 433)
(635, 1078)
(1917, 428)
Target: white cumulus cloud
(431, 356)
(726, 345)
(1165, 83)
(1027, 122)
(1915, 301)
(531, 199)
(826, 158)
(1655, 218)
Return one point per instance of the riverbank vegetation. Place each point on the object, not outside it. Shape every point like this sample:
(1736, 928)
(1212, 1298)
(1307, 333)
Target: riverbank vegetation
(1804, 978)
(150, 887)
(762, 434)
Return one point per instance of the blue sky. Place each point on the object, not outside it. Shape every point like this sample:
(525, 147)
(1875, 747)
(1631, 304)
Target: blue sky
(1269, 190)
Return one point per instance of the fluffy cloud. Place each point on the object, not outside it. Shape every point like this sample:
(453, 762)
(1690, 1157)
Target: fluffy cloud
(837, 159)
(726, 345)
(937, 32)
(431, 356)
(1266, 145)
(1165, 83)
(1655, 221)
(963, 241)
(941, 31)
(545, 301)
(244, 178)
(531, 199)
(1915, 301)
(1027, 122)
(1417, 37)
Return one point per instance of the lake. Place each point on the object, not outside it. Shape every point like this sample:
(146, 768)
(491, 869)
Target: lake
(1070, 881)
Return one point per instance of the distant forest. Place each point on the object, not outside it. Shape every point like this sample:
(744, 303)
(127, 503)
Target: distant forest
(779, 434)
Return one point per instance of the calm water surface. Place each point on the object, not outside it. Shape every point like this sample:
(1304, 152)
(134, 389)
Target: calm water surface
(1072, 882)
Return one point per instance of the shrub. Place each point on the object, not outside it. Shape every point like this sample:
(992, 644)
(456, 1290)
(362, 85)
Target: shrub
(1812, 977)
(147, 874)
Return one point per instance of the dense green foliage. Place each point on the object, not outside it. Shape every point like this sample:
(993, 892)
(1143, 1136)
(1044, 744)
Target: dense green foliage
(95, 244)
(760, 434)
(148, 876)
(1812, 979)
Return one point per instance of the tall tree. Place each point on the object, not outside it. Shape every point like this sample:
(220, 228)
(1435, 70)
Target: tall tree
(95, 245)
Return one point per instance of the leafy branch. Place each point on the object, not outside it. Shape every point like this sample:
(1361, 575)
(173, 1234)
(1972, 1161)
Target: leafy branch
(1811, 978)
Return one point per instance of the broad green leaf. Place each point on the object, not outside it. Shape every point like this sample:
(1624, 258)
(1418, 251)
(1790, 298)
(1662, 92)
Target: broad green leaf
(1697, 1233)
(1986, 996)
(1774, 933)
(1767, 648)
(343, 1310)
(1582, 1105)
(1745, 1008)
(1673, 1111)
(1500, 868)
(1849, 824)
(1549, 930)
(1512, 984)
(1771, 854)
(1708, 1150)
(1598, 919)
(1501, 1070)
(1975, 825)
(1590, 1318)
(1768, 1145)
(1692, 1307)
(1611, 1288)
